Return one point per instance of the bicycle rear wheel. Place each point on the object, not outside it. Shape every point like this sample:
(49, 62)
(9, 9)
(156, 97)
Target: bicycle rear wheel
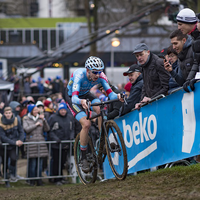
(116, 150)
(90, 177)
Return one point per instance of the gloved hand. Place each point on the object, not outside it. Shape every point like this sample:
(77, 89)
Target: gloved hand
(185, 86)
(192, 82)
(189, 83)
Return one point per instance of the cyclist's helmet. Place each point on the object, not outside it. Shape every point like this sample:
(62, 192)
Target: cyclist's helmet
(94, 63)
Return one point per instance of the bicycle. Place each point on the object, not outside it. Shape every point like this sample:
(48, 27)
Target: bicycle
(111, 143)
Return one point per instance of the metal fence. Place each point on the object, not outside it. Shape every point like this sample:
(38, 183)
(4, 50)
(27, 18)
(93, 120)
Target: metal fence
(70, 161)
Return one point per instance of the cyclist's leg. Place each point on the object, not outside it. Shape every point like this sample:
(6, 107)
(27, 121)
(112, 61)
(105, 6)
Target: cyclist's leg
(80, 115)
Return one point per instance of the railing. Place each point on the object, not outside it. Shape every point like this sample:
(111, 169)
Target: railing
(72, 170)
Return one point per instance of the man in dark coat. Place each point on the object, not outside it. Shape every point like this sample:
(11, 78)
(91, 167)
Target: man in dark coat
(155, 77)
(135, 77)
(182, 44)
(63, 126)
(11, 132)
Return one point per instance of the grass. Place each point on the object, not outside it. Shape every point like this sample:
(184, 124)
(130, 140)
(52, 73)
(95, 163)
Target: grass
(36, 22)
(175, 183)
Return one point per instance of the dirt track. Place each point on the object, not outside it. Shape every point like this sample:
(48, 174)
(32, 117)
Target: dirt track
(176, 183)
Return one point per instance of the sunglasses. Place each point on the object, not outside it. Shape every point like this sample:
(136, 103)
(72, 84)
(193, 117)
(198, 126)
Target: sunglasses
(96, 72)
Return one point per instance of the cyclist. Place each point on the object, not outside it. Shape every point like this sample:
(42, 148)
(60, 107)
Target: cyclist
(78, 90)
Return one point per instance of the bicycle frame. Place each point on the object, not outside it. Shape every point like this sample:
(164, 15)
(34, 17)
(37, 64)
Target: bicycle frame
(103, 132)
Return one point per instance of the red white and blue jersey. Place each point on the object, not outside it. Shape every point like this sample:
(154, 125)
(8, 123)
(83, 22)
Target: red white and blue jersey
(79, 85)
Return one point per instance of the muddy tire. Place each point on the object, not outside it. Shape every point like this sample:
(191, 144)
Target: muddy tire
(90, 177)
(116, 150)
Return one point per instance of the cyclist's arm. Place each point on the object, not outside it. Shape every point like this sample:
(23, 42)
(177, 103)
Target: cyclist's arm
(76, 89)
(106, 87)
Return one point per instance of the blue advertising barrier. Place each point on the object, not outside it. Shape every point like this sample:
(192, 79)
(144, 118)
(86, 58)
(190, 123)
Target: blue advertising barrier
(163, 131)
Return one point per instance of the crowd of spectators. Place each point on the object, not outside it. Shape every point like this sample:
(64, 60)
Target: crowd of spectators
(50, 119)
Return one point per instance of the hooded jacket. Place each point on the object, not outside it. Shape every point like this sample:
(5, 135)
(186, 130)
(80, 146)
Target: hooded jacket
(195, 46)
(186, 58)
(13, 105)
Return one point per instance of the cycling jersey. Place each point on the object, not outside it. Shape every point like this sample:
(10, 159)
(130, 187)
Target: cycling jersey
(79, 85)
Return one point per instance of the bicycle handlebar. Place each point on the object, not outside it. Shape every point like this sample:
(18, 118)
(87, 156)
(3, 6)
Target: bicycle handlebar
(102, 103)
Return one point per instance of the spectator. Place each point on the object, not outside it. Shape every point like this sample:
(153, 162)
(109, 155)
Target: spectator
(48, 110)
(163, 54)
(34, 126)
(42, 99)
(182, 43)
(30, 100)
(63, 127)
(2, 104)
(40, 107)
(127, 89)
(174, 69)
(155, 77)
(187, 23)
(16, 107)
(27, 88)
(57, 85)
(40, 85)
(34, 86)
(135, 78)
(113, 108)
(23, 111)
(47, 86)
(11, 132)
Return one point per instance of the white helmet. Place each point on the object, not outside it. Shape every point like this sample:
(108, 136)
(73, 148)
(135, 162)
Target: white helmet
(94, 63)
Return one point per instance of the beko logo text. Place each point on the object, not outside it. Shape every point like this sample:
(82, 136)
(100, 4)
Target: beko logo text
(145, 129)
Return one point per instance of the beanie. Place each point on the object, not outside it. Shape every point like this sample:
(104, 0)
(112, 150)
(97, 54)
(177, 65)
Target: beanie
(62, 106)
(186, 16)
(49, 99)
(39, 103)
(30, 107)
(128, 86)
(47, 102)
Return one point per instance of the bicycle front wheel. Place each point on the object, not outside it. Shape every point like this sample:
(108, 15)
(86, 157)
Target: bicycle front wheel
(116, 150)
(90, 177)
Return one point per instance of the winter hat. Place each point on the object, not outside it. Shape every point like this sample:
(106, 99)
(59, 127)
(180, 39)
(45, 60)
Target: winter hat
(47, 82)
(39, 103)
(186, 16)
(62, 106)
(49, 99)
(58, 77)
(47, 102)
(128, 86)
(30, 107)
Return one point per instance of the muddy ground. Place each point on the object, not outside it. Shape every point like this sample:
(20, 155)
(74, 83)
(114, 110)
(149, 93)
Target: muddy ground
(175, 183)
